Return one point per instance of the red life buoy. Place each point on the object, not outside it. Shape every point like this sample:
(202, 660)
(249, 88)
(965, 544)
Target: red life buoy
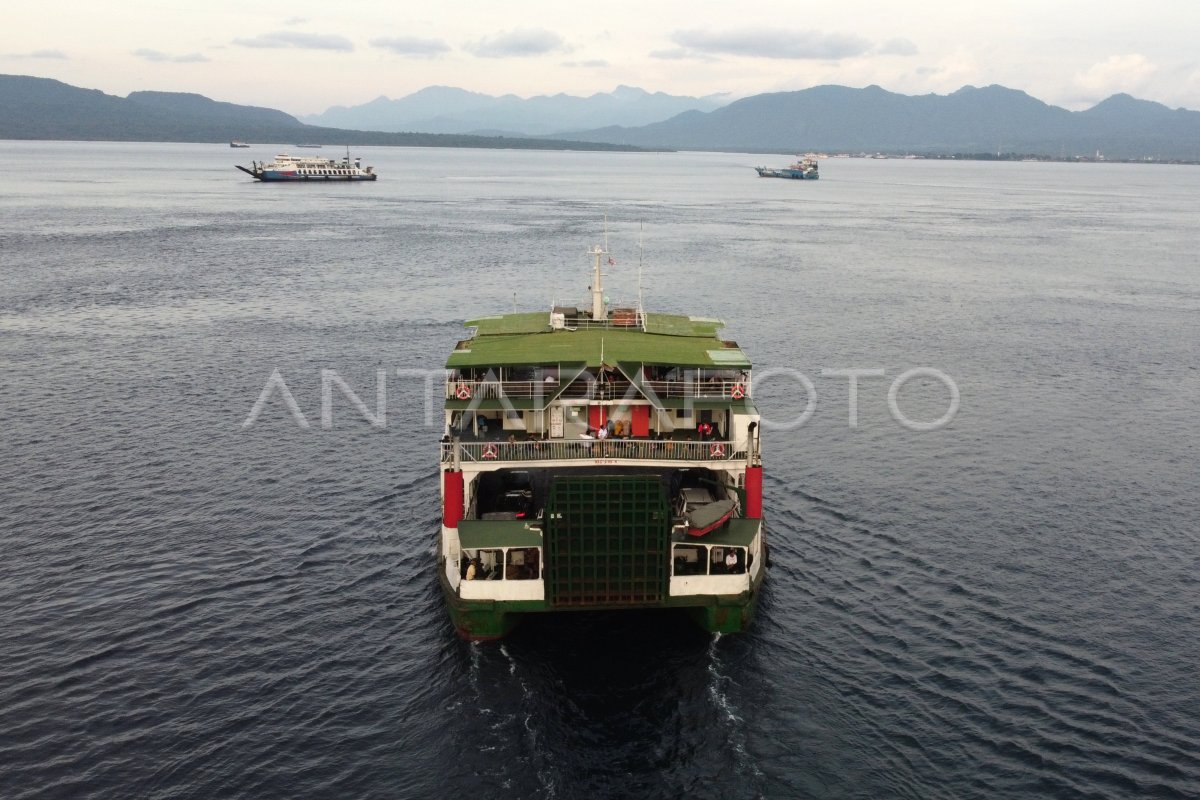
(463, 392)
(716, 450)
(489, 451)
(739, 391)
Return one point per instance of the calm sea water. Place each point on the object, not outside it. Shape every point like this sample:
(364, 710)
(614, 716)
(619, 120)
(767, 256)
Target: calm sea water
(1005, 607)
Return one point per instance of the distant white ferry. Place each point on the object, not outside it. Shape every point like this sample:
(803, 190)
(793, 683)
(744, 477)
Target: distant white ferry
(305, 168)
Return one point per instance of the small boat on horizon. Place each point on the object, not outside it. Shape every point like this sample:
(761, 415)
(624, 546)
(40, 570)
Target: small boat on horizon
(236, 143)
(801, 169)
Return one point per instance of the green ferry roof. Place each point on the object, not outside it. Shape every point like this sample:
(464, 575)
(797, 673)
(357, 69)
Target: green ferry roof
(527, 339)
(476, 533)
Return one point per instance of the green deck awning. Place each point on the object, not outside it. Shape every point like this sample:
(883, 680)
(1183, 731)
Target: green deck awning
(476, 533)
(738, 533)
(527, 339)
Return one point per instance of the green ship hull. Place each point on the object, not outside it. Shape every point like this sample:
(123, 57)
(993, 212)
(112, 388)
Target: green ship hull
(483, 620)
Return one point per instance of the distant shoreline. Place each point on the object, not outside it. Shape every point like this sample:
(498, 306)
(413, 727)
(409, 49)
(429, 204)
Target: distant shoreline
(500, 143)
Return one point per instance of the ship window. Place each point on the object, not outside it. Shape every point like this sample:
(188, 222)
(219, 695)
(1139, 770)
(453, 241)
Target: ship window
(728, 561)
(522, 564)
(690, 559)
(488, 567)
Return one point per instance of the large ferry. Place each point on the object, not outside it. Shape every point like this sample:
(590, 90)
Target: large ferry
(599, 458)
(305, 168)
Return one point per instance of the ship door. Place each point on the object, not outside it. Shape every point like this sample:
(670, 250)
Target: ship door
(597, 416)
(641, 421)
(607, 540)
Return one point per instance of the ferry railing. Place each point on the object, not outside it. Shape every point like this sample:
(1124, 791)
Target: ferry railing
(704, 389)
(583, 388)
(467, 389)
(636, 321)
(594, 449)
(621, 316)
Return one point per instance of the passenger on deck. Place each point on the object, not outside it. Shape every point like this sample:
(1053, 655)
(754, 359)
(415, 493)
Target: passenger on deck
(731, 561)
(473, 569)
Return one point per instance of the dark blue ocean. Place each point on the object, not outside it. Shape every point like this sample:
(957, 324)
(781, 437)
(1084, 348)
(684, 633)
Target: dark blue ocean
(1006, 606)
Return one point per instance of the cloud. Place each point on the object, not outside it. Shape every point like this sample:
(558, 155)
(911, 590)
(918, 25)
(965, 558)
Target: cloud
(773, 43)
(411, 46)
(1127, 73)
(521, 42)
(300, 41)
(680, 54)
(154, 55)
(59, 54)
(592, 64)
(897, 47)
(950, 73)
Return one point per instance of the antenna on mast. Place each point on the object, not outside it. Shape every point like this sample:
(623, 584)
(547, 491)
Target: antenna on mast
(640, 226)
(598, 289)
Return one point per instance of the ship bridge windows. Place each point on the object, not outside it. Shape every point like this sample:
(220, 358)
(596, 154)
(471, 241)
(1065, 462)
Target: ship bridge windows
(726, 560)
(501, 564)
(690, 559)
(482, 564)
(522, 564)
(699, 559)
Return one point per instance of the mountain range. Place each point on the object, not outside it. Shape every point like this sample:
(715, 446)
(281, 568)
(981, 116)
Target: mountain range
(446, 109)
(970, 121)
(41, 108)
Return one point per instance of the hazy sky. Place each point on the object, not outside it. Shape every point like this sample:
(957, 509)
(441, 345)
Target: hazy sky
(303, 56)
